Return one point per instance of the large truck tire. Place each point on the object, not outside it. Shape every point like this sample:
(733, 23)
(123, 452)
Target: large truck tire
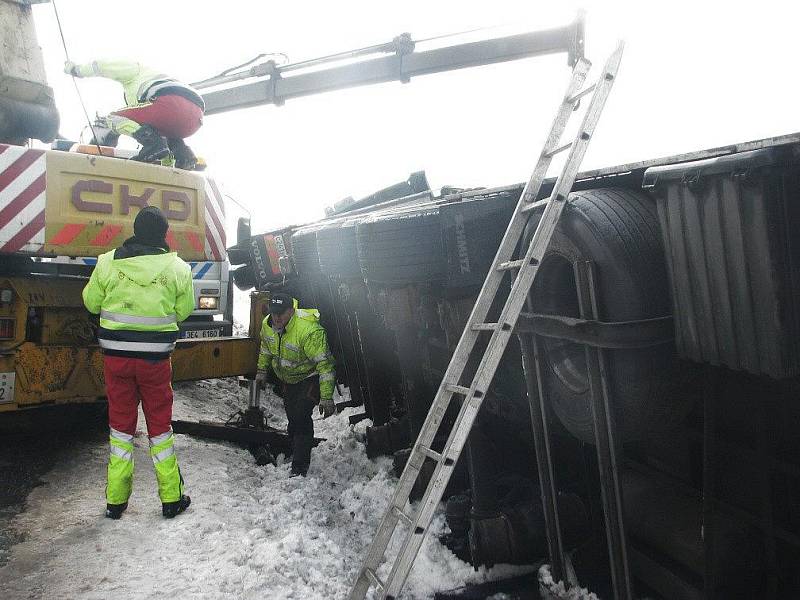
(401, 249)
(304, 252)
(337, 250)
(618, 231)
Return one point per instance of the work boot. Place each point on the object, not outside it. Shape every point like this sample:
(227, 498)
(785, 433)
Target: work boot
(261, 454)
(154, 145)
(114, 511)
(184, 157)
(301, 457)
(172, 509)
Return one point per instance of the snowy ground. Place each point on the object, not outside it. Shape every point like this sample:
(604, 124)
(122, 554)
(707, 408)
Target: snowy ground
(251, 532)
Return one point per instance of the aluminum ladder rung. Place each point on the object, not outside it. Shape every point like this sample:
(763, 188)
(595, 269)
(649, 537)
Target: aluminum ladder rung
(431, 453)
(493, 351)
(554, 151)
(510, 264)
(588, 90)
(531, 206)
(491, 326)
(458, 389)
(405, 518)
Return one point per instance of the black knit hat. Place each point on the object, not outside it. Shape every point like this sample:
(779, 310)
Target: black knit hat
(279, 302)
(151, 226)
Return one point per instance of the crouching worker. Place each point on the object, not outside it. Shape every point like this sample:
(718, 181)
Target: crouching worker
(294, 354)
(160, 111)
(141, 292)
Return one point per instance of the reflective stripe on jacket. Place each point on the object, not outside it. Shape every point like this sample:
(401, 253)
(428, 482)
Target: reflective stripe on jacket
(139, 82)
(299, 352)
(140, 300)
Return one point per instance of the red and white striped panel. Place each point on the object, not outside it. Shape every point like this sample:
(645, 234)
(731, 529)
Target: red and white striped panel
(23, 181)
(215, 222)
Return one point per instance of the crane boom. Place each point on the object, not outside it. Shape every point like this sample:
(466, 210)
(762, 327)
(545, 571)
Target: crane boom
(276, 84)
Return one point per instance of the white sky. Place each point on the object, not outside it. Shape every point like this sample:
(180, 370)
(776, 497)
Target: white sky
(695, 75)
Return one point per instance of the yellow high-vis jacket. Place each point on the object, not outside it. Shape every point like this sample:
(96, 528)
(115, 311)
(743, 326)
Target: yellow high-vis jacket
(300, 351)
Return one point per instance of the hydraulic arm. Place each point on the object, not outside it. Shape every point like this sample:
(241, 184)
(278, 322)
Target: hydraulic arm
(397, 60)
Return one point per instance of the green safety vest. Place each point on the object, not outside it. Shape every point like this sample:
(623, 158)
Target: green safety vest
(140, 300)
(299, 352)
(139, 82)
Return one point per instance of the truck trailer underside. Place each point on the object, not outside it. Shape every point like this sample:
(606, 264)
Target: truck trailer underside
(695, 260)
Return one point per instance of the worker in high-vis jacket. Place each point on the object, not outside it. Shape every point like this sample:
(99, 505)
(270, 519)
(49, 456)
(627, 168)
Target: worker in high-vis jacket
(141, 291)
(160, 111)
(294, 355)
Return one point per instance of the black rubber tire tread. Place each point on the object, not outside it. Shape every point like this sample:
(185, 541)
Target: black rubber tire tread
(403, 250)
(305, 253)
(243, 277)
(618, 230)
(337, 251)
(238, 255)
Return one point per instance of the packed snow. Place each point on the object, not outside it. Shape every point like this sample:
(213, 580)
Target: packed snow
(557, 589)
(251, 532)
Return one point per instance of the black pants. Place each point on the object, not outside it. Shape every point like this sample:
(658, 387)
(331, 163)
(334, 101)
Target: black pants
(299, 400)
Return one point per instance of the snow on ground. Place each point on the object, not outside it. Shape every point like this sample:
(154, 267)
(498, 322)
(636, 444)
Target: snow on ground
(558, 589)
(251, 532)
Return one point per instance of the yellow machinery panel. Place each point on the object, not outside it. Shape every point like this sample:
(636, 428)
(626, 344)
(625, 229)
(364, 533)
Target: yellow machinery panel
(214, 357)
(61, 374)
(53, 357)
(92, 202)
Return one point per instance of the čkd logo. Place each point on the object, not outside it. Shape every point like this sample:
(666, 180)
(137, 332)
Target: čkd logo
(177, 206)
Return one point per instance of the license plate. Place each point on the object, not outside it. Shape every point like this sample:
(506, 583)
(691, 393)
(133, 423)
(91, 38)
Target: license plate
(7, 387)
(196, 334)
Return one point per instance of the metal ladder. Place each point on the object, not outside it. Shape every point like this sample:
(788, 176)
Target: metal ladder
(473, 393)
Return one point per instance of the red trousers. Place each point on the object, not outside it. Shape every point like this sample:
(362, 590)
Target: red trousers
(173, 116)
(130, 379)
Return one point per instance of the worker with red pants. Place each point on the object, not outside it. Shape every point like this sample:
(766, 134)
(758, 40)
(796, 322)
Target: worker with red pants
(157, 106)
(141, 291)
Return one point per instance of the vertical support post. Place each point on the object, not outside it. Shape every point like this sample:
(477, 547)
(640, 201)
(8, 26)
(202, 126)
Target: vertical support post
(603, 419)
(254, 396)
(710, 386)
(764, 453)
(544, 460)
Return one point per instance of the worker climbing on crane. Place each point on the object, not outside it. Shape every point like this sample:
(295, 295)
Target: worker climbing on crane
(160, 111)
(295, 356)
(141, 291)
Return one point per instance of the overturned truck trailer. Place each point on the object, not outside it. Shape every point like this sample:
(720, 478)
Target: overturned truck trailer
(696, 282)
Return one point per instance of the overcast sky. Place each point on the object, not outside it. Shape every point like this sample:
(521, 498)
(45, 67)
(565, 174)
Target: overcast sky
(695, 75)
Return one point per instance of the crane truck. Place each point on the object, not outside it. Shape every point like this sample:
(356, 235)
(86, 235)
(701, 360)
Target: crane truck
(58, 211)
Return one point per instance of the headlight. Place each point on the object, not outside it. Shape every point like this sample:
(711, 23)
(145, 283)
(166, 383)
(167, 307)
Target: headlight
(208, 303)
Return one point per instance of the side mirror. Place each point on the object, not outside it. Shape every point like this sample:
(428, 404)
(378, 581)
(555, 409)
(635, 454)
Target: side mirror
(243, 233)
